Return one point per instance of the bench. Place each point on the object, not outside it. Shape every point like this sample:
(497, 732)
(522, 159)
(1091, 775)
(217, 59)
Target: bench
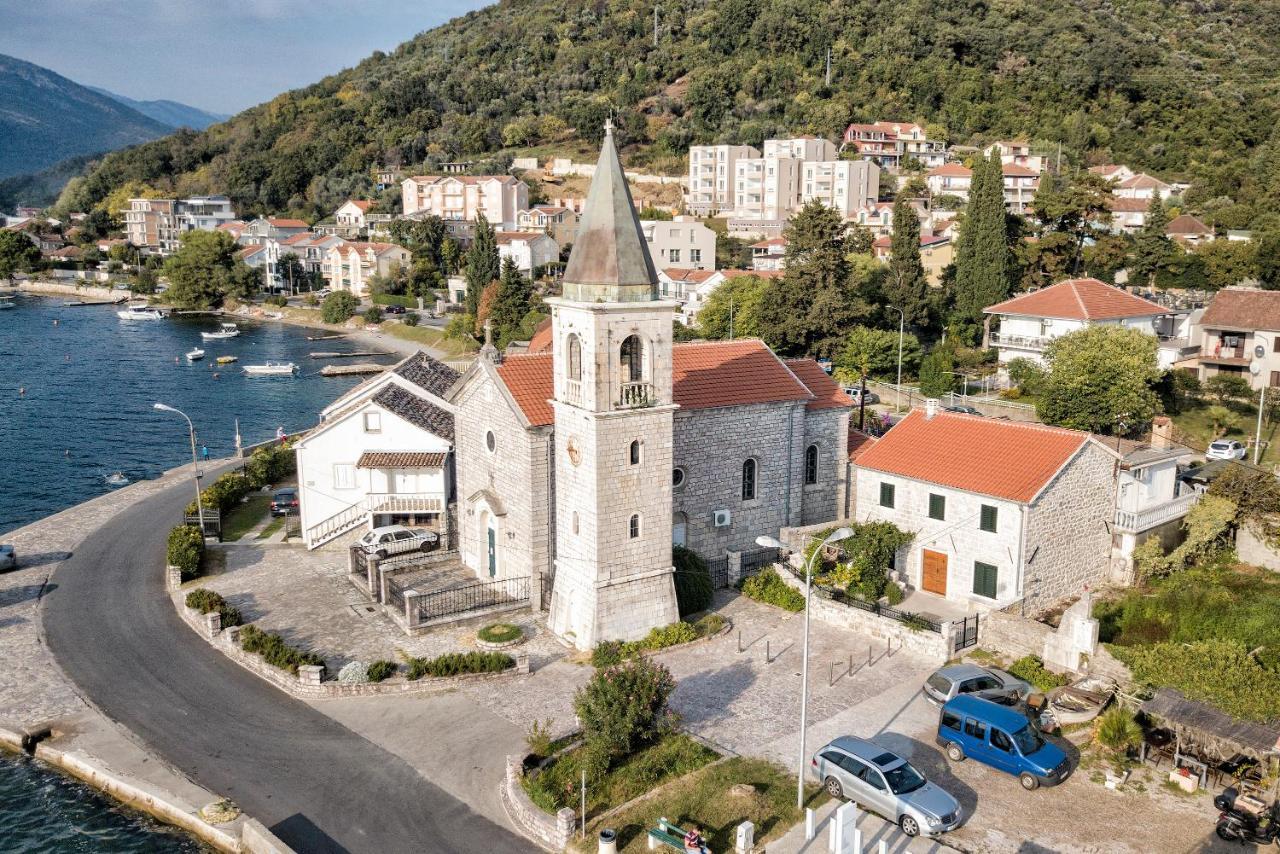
(667, 834)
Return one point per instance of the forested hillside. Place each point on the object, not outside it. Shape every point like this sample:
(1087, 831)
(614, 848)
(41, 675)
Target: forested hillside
(1183, 88)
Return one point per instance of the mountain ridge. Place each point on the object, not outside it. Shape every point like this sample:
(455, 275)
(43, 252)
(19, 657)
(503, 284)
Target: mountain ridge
(175, 114)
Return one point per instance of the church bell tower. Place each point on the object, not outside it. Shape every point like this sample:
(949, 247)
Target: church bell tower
(613, 425)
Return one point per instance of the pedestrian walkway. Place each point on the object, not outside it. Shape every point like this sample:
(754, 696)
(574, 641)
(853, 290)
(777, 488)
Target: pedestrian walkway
(878, 837)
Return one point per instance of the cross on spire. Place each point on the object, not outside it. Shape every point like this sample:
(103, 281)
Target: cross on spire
(608, 126)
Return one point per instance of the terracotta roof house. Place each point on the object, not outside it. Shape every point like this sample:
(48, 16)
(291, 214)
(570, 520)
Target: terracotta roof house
(1023, 326)
(1241, 328)
(954, 179)
(769, 254)
(1143, 186)
(1188, 230)
(1002, 511)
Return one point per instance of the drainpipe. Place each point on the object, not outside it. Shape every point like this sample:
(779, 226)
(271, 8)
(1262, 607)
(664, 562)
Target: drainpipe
(1022, 557)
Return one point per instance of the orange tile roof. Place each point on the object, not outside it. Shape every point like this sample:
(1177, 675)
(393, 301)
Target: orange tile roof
(1124, 205)
(1078, 299)
(1243, 309)
(502, 238)
(859, 442)
(951, 170)
(826, 392)
(679, 274)
(1187, 224)
(1016, 171)
(1014, 460)
(280, 222)
(540, 342)
(362, 204)
(704, 375)
(1143, 181)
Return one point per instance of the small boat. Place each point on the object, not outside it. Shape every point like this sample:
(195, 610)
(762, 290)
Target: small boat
(74, 302)
(271, 369)
(227, 330)
(1082, 700)
(139, 311)
(117, 479)
(226, 360)
(195, 355)
(6, 304)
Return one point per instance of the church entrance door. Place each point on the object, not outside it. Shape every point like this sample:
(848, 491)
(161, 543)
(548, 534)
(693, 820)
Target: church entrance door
(493, 553)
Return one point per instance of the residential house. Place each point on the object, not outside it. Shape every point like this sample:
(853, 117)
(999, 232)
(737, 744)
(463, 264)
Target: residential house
(950, 179)
(1151, 498)
(876, 217)
(1024, 325)
(1240, 329)
(263, 229)
(234, 227)
(311, 249)
(936, 252)
(1016, 153)
(846, 186)
(1001, 511)
(464, 198)
(350, 265)
(1188, 231)
(769, 254)
(386, 178)
(888, 143)
(1020, 184)
(804, 148)
(711, 176)
(530, 250)
(556, 220)
(264, 256)
(690, 288)
(1112, 172)
(1143, 186)
(680, 242)
(157, 225)
(382, 454)
(1128, 215)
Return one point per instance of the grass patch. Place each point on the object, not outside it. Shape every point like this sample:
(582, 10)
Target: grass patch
(1196, 426)
(557, 785)
(274, 525)
(499, 633)
(243, 517)
(1031, 669)
(703, 798)
(429, 335)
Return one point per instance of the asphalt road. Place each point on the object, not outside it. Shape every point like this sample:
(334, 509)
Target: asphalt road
(319, 786)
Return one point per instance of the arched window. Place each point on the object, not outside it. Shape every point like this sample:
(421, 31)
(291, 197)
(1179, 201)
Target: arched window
(573, 350)
(635, 453)
(749, 480)
(632, 358)
(811, 464)
(633, 527)
(679, 529)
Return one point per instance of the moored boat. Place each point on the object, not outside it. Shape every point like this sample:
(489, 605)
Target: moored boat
(226, 360)
(271, 369)
(226, 330)
(139, 311)
(195, 355)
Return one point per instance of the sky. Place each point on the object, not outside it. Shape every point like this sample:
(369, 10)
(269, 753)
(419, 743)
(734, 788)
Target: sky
(218, 55)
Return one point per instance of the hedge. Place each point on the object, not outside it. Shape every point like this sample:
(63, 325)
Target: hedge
(609, 653)
(208, 601)
(186, 548)
(394, 299)
(265, 466)
(275, 651)
(380, 670)
(768, 587)
(456, 663)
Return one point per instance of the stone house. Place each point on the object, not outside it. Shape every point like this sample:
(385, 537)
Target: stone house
(1002, 511)
(529, 250)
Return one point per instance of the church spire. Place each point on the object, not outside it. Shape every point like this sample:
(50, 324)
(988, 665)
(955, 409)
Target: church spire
(610, 260)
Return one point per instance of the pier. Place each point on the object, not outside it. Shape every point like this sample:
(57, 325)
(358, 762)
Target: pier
(352, 370)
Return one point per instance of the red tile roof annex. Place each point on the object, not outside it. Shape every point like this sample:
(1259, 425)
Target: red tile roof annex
(1013, 460)
(1243, 309)
(1186, 224)
(1143, 181)
(1125, 205)
(540, 341)
(826, 392)
(1078, 299)
(280, 222)
(859, 442)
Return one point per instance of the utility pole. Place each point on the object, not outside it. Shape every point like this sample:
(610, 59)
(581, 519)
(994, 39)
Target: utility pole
(828, 80)
(655, 24)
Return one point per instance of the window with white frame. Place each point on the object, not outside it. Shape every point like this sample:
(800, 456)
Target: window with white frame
(344, 476)
(373, 422)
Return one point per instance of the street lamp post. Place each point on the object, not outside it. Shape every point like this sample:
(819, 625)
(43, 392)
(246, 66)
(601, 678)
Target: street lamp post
(195, 465)
(773, 543)
(897, 396)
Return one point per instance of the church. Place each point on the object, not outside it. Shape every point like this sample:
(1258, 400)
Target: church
(586, 458)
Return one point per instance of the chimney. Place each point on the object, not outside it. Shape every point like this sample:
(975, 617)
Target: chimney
(930, 407)
(1162, 432)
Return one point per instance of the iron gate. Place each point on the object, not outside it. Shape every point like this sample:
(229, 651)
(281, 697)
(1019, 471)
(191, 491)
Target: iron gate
(718, 567)
(754, 561)
(966, 633)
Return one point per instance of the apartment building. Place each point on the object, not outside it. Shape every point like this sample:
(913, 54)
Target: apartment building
(844, 185)
(683, 243)
(952, 179)
(156, 225)
(348, 266)
(801, 148)
(766, 188)
(888, 143)
(556, 220)
(500, 198)
(1016, 153)
(711, 176)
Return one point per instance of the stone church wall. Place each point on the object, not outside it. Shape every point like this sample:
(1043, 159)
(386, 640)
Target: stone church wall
(829, 430)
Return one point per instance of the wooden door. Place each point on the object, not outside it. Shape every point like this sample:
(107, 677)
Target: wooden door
(934, 574)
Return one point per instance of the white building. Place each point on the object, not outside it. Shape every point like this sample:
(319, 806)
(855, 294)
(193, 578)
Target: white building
(1143, 186)
(465, 198)
(528, 249)
(889, 143)
(766, 188)
(267, 228)
(711, 175)
(843, 185)
(264, 256)
(349, 266)
(680, 242)
(953, 179)
(157, 225)
(769, 254)
(556, 220)
(382, 454)
(1150, 501)
(1016, 153)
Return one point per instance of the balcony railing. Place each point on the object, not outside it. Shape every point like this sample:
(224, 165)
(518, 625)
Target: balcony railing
(1135, 521)
(1022, 342)
(404, 502)
(573, 392)
(635, 394)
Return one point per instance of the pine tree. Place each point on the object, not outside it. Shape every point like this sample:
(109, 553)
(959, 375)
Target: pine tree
(510, 304)
(982, 251)
(482, 266)
(1152, 247)
(906, 286)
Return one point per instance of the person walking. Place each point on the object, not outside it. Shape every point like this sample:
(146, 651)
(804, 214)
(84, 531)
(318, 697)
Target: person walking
(204, 452)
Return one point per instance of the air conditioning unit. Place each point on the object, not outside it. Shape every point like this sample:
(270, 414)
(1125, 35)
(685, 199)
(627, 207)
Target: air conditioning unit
(721, 518)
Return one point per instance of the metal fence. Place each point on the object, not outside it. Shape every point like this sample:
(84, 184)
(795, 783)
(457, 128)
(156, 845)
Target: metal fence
(905, 617)
(212, 520)
(966, 633)
(472, 597)
(359, 562)
(754, 561)
(719, 569)
(395, 595)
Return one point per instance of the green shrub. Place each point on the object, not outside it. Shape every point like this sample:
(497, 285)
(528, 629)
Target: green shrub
(693, 581)
(270, 464)
(457, 663)
(207, 601)
(710, 625)
(499, 633)
(339, 307)
(1118, 731)
(410, 319)
(893, 595)
(394, 299)
(608, 653)
(380, 670)
(1219, 672)
(373, 315)
(278, 300)
(275, 651)
(672, 635)
(538, 739)
(310, 300)
(186, 548)
(624, 707)
(224, 493)
(1031, 669)
(768, 587)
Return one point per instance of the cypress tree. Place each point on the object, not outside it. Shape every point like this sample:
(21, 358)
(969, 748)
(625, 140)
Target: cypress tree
(510, 304)
(982, 251)
(906, 286)
(1151, 248)
(482, 265)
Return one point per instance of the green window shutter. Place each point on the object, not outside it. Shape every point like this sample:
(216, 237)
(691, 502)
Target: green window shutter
(937, 507)
(984, 579)
(988, 520)
(886, 494)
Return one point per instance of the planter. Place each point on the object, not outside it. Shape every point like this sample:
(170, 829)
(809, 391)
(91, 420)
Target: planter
(494, 646)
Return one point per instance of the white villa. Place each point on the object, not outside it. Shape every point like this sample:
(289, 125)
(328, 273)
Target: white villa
(528, 249)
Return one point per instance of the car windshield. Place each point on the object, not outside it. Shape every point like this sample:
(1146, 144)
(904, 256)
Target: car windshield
(904, 779)
(1028, 740)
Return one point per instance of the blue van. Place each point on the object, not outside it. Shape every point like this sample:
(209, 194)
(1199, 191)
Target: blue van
(1001, 737)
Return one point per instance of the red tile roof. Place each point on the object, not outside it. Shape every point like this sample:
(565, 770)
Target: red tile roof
(502, 238)
(1243, 309)
(679, 274)
(826, 392)
(772, 241)
(362, 204)
(1143, 181)
(1016, 171)
(704, 375)
(540, 342)
(951, 170)
(280, 222)
(1078, 299)
(1014, 460)
(1123, 205)
(859, 442)
(1187, 224)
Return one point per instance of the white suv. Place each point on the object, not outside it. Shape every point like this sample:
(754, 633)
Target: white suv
(395, 539)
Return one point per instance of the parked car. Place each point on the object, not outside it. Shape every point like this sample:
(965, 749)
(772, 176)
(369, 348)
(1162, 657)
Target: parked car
(285, 502)
(995, 735)
(883, 782)
(1225, 449)
(8, 557)
(963, 410)
(394, 309)
(396, 539)
(855, 392)
(955, 679)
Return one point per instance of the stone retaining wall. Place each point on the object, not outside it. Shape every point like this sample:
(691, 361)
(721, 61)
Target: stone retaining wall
(81, 291)
(1011, 635)
(551, 832)
(1253, 549)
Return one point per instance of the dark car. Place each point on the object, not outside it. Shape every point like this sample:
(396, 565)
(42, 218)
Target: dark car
(284, 502)
(395, 309)
(964, 410)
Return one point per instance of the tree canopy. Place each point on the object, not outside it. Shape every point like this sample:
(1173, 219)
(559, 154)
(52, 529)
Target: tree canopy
(17, 254)
(205, 269)
(1101, 379)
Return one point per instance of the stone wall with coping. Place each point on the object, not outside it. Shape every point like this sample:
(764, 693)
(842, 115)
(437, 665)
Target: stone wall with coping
(551, 832)
(1012, 635)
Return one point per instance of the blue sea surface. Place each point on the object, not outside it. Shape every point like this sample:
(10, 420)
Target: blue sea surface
(77, 386)
(45, 812)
